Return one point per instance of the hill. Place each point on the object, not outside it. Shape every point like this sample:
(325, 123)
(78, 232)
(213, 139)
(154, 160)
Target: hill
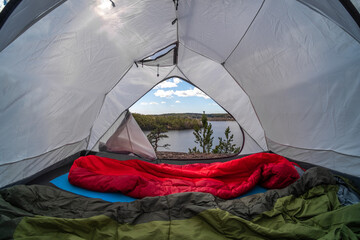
(210, 116)
(176, 121)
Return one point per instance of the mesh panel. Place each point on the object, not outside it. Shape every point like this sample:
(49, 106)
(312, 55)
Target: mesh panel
(126, 137)
(163, 58)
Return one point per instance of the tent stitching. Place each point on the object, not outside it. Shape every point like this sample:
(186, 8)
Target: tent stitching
(313, 149)
(47, 152)
(262, 4)
(125, 73)
(250, 103)
(226, 111)
(322, 14)
(87, 147)
(31, 23)
(223, 65)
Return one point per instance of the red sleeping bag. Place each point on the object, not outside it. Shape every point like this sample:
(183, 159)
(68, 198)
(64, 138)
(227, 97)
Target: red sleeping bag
(140, 179)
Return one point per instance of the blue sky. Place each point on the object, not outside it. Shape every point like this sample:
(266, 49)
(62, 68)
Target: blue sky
(175, 96)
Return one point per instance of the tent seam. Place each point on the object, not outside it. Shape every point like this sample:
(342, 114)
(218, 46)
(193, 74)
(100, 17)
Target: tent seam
(29, 158)
(252, 107)
(313, 149)
(331, 20)
(231, 114)
(87, 147)
(257, 13)
(90, 133)
(223, 65)
(167, 76)
(190, 49)
(31, 23)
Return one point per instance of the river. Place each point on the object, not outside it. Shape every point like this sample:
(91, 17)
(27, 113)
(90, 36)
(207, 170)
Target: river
(182, 140)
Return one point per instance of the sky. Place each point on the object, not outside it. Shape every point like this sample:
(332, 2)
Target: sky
(2, 4)
(175, 96)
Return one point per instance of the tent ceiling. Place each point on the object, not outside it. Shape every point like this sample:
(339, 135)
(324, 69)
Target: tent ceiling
(214, 28)
(335, 11)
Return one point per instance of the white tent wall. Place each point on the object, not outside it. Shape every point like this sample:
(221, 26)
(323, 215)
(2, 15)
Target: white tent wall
(212, 78)
(330, 159)
(138, 80)
(24, 15)
(127, 138)
(54, 76)
(69, 76)
(108, 133)
(250, 145)
(214, 28)
(142, 78)
(27, 168)
(303, 78)
(335, 11)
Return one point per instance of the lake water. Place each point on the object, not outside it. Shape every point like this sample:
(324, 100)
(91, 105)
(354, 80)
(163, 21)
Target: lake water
(182, 140)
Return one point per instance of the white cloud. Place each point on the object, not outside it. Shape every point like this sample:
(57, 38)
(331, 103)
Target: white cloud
(177, 80)
(177, 101)
(164, 94)
(149, 103)
(195, 92)
(163, 102)
(171, 83)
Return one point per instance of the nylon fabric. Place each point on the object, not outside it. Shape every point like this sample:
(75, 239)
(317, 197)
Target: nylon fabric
(230, 20)
(309, 103)
(50, 73)
(200, 70)
(141, 179)
(126, 92)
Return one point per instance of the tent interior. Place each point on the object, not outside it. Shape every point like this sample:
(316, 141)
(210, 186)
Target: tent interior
(287, 71)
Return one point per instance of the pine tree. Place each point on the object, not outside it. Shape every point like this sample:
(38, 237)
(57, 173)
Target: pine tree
(226, 145)
(156, 135)
(203, 136)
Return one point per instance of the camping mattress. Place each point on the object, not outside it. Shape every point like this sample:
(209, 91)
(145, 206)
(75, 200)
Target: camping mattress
(63, 183)
(307, 209)
(138, 179)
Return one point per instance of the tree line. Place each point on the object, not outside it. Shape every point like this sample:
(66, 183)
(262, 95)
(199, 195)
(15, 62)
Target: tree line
(168, 122)
(203, 137)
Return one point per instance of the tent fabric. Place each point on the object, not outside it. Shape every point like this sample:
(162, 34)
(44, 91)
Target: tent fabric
(286, 70)
(129, 138)
(200, 69)
(24, 15)
(24, 169)
(164, 58)
(276, 214)
(131, 87)
(310, 97)
(334, 10)
(139, 179)
(349, 164)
